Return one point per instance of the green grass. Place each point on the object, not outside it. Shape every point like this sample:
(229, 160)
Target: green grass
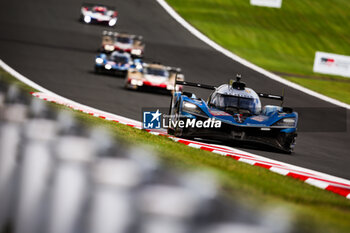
(315, 210)
(334, 88)
(279, 40)
(6, 77)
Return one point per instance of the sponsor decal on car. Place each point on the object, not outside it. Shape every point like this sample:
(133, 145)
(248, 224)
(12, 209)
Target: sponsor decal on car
(218, 113)
(259, 118)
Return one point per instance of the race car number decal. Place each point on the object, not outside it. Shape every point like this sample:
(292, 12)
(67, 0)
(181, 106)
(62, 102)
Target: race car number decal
(258, 118)
(219, 113)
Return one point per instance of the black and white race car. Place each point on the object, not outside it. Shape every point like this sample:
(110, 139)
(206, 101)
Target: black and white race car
(98, 14)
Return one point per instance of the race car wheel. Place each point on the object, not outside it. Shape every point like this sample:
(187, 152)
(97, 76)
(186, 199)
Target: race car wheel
(125, 74)
(130, 86)
(98, 69)
(287, 141)
(177, 131)
(171, 131)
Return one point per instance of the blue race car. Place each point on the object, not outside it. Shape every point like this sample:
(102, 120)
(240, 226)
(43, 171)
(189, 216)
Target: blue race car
(237, 115)
(117, 63)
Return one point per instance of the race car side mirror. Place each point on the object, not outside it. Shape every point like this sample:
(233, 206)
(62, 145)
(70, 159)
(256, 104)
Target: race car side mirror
(188, 94)
(287, 110)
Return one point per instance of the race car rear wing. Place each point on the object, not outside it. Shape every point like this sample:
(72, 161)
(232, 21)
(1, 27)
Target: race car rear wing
(111, 33)
(185, 83)
(88, 4)
(174, 69)
(270, 96)
(210, 87)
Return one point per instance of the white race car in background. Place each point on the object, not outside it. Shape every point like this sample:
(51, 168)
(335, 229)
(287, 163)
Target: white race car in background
(98, 14)
(153, 76)
(132, 44)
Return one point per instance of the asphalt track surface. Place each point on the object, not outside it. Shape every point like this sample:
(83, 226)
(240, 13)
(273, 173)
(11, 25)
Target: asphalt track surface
(44, 41)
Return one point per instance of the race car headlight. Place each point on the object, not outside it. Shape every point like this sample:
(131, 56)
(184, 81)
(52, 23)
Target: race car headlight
(192, 108)
(288, 122)
(108, 47)
(170, 87)
(87, 19)
(138, 66)
(136, 82)
(112, 22)
(189, 106)
(99, 60)
(108, 66)
(136, 52)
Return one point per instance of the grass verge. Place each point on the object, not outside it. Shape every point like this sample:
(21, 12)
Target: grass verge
(279, 40)
(337, 89)
(6, 77)
(313, 206)
(316, 210)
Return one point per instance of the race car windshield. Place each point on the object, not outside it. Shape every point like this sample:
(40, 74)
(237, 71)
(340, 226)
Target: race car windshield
(120, 59)
(124, 40)
(157, 72)
(231, 104)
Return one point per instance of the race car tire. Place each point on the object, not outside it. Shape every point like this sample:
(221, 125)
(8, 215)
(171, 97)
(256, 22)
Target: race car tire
(98, 70)
(171, 131)
(128, 86)
(287, 142)
(125, 74)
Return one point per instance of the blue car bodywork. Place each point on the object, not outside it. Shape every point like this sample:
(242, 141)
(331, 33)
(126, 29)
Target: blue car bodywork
(108, 64)
(275, 126)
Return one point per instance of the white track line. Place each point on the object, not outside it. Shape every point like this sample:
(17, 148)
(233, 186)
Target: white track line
(244, 62)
